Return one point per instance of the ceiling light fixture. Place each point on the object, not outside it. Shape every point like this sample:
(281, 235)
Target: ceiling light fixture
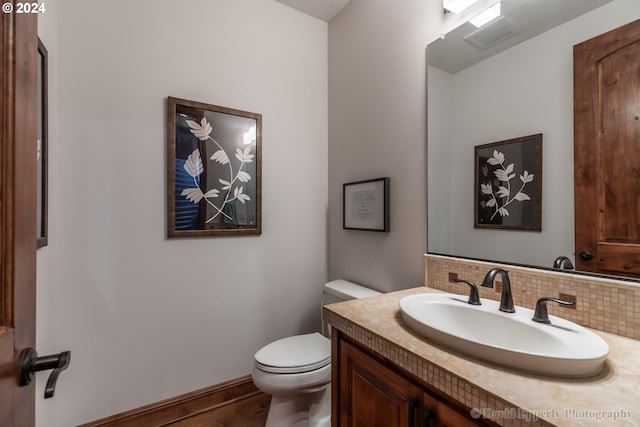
(486, 16)
(457, 6)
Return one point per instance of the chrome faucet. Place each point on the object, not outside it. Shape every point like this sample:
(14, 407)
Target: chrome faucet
(506, 299)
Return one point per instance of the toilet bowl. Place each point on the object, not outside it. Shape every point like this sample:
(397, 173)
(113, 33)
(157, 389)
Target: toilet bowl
(296, 370)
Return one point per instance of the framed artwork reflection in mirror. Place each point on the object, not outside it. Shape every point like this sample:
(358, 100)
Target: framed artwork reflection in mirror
(214, 170)
(508, 184)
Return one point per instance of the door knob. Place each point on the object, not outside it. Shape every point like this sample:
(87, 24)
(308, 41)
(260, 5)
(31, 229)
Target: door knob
(30, 363)
(586, 256)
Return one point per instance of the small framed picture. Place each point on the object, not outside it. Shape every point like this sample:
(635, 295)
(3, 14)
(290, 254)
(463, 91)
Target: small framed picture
(508, 184)
(366, 205)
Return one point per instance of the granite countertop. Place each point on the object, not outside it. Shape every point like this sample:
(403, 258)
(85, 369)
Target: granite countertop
(508, 396)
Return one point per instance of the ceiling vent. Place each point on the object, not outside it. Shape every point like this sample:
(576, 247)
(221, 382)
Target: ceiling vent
(493, 33)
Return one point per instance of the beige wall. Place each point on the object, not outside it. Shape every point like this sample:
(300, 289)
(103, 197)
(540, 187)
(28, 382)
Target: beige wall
(148, 318)
(377, 127)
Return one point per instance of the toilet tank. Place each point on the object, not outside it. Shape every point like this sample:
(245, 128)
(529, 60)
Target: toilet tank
(343, 290)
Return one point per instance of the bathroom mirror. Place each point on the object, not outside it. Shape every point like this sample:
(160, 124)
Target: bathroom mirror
(479, 91)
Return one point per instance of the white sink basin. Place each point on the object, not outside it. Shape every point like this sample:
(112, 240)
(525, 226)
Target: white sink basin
(562, 348)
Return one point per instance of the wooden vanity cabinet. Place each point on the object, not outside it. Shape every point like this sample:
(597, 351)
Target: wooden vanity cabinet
(444, 415)
(369, 392)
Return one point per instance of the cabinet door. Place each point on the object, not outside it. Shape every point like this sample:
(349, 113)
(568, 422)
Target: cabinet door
(372, 395)
(437, 413)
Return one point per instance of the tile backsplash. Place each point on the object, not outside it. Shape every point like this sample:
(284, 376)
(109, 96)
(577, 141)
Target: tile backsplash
(604, 304)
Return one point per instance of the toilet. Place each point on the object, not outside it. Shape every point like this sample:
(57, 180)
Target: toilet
(296, 371)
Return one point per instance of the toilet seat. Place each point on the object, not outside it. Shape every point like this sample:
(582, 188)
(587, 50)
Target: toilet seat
(295, 355)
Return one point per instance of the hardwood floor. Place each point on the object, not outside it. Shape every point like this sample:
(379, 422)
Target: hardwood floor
(251, 412)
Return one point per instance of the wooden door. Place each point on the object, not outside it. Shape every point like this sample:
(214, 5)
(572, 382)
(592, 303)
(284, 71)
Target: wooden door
(371, 395)
(18, 118)
(607, 152)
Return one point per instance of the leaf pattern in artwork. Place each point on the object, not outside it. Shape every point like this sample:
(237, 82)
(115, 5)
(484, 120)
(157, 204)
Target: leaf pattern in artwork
(503, 191)
(225, 184)
(212, 193)
(244, 156)
(230, 187)
(221, 157)
(243, 176)
(193, 194)
(504, 174)
(193, 165)
(202, 130)
(526, 177)
(497, 159)
(238, 194)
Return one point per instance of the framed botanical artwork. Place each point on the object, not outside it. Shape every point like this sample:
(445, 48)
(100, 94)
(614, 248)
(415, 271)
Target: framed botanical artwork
(365, 205)
(214, 170)
(508, 184)
(42, 143)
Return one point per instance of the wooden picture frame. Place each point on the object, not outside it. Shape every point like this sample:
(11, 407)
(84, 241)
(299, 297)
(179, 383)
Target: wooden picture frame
(365, 205)
(42, 188)
(214, 170)
(508, 184)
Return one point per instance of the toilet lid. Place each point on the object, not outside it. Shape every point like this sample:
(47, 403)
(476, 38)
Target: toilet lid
(297, 354)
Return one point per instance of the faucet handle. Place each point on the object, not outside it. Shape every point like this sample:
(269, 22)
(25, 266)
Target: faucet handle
(474, 298)
(541, 315)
